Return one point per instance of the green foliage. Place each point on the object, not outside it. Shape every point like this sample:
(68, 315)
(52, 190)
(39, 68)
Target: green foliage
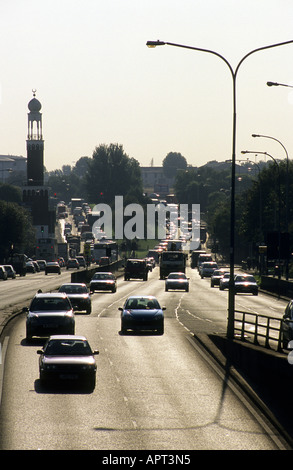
(111, 172)
(172, 162)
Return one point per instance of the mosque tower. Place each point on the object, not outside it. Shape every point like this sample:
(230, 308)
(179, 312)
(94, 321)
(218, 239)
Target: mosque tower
(35, 194)
(35, 144)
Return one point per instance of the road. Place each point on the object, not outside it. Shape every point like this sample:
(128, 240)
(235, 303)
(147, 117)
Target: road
(152, 392)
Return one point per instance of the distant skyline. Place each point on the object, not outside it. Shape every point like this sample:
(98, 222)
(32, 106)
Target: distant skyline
(98, 83)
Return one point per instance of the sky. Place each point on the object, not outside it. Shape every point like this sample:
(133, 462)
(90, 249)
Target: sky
(98, 83)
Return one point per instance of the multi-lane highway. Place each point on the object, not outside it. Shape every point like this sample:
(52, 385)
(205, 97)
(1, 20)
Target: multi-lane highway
(152, 392)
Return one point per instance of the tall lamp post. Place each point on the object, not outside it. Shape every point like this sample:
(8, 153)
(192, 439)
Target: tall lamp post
(279, 202)
(231, 294)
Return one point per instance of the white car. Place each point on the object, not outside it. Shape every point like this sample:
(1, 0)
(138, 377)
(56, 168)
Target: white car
(177, 281)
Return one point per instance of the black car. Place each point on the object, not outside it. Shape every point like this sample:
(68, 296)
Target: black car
(68, 358)
(78, 295)
(49, 313)
(136, 269)
(103, 281)
(52, 267)
(142, 313)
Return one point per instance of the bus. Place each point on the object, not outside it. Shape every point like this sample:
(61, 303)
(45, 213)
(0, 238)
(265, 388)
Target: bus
(104, 248)
(47, 249)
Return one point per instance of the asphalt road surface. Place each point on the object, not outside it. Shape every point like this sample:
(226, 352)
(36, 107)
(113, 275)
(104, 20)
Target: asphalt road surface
(152, 392)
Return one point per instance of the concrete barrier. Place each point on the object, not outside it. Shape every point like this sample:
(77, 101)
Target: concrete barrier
(85, 275)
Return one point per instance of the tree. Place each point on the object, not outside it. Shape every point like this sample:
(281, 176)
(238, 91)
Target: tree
(172, 162)
(111, 172)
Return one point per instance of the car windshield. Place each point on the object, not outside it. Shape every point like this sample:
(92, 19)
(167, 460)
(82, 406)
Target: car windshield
(245, 279)
(142, 304)
(68, 348)
(69, 289)
(177, 276)
(102, 276)
(50, 304)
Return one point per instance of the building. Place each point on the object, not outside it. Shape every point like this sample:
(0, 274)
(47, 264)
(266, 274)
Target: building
(35, 194)
(154, 180)
(11, 164)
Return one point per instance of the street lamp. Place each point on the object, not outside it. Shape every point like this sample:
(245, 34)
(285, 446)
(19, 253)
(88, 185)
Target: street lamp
(278, 84)
(279, 202)
(231, 295)
(287, 171)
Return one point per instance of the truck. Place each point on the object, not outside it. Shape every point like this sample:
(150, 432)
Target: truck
(18, 262)
(63, 251)
(136, 269)
(172, 261)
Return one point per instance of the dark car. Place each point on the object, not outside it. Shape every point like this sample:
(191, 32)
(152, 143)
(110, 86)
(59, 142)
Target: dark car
(142, 313)
(72, 263)
(177, 281)
(52, 267)
(68, 358)
(136, 269)
(245, 283)
(78, 295)
(217, 275)
(103, 281)
(49, 313)
(30, 267)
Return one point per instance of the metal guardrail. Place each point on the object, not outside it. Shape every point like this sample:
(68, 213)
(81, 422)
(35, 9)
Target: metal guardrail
(261, 330)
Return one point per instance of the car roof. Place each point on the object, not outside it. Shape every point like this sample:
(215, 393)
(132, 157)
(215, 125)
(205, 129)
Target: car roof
(141, 297)
(66, 337)
(60, 295)
(73, 284)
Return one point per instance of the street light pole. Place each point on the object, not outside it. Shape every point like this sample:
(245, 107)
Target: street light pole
(231, 294)
(279, 202)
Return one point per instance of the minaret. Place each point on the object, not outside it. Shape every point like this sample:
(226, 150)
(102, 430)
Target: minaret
(35, 195)
(35, 144)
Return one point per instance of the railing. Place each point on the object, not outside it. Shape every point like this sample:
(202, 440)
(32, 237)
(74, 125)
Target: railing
(260, 329)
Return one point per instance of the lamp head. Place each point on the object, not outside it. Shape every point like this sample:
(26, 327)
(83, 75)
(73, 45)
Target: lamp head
(153, 44)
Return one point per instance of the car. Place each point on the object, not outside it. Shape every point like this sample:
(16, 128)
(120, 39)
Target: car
(49, 313)
(10, 271)
(42, 264)
(30, 267)
(224, 281)
(103, 281)
(72, 263)
(78, 295)
(81, 261)
(136, 269)
(216, 276)
(245, 283)
(287, 325)
(142, 313)
(52, 267)
(3, 273)
(104, 261)
(37, 267)
(207, 269)
(177, 281)
(61, 262)
(68, 358)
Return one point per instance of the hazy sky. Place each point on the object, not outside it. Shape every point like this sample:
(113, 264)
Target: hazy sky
(99, 84)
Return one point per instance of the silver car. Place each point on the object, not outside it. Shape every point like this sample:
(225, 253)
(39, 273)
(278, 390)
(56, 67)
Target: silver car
(49, 313)
(177, 281)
